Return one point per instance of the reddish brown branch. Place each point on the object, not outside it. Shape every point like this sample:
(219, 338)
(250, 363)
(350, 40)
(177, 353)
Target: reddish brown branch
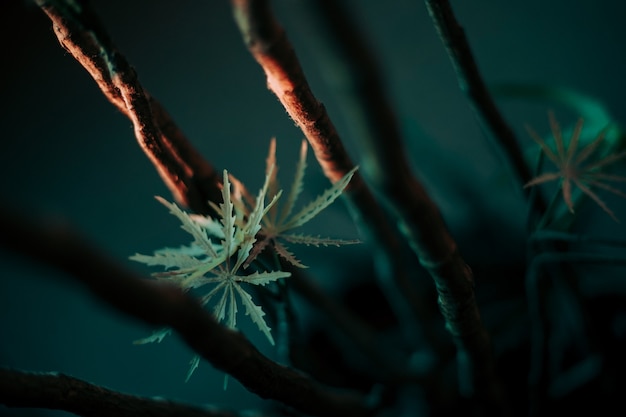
(189, 177)
(269, 45)
(167, 306)
(420, 219)
(61, 392)
(372, 118)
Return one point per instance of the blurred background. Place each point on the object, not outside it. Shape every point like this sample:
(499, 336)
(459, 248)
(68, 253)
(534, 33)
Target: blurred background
(68, 154)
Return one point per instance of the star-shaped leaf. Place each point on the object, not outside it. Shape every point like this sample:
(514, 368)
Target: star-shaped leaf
(573, 166)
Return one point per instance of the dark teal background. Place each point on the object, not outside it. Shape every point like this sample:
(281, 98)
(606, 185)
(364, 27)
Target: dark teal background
(68, 154)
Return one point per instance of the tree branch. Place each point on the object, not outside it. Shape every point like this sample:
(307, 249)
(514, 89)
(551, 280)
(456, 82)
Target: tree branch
(189, 177)
(167, 306)
(472, 84)
(268, 44)
(421, 220)
(61, 392)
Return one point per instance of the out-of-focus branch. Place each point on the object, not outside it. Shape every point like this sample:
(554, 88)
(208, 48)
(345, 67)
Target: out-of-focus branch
(167, 306)
(269, 45)
(421, 221)
(388, 362)
(372, 117)
(183, 170)
(472, 84)
(61, 392)
(189, 177)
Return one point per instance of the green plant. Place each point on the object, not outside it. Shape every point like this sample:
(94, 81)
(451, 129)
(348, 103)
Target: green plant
(246, 226)
(570, 164)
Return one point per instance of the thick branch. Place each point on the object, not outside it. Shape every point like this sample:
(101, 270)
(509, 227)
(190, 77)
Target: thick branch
(269, 45)
(61, 392)
(189, 177)
(374, 123)
(167, 306)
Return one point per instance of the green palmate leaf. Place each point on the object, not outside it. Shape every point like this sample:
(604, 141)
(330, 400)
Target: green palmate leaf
(193, 364)
(284, 253)
(213, 228)
(168, 260)
(254, 222)
(317, 240)
(320, 203)
(263, 278)
(255, 312)
(242, 220)
(297, 185)
(199, 234)
(271, 174)
(227, 217)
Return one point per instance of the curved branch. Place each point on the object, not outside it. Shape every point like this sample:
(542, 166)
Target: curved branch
(268, 44)
(471, 83)
(420, 219)
(191, 179)
(167, 306)
(61, 392)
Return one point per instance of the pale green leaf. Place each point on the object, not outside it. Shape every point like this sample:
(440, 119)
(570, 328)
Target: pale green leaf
(255, 312)
(207, 297)
(168, 260)
(228, 217)
(297, 185)
(156, 336)
(193, 364)
(231, 318)
(188, 225)
(219, 310)
(317, 240)
(263, 278)
(271, 172)
(320, 203)
(254, 222)
(212, 227)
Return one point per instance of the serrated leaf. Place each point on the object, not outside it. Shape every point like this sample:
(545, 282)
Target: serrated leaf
(156, 336)
(207, 297)
(256, 250)
(320, 203)
(297, 185)
(188, 225)
(212, 227)
(191, 250)
(168, 260)
(317, 240)
(288, 256)
(255, 312)
(193, 365)
(228, 217)
(242, 199)
(254, 222)
(271, 172)
(263, 278)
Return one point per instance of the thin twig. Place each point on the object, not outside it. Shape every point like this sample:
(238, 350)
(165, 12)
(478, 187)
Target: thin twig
(57, 391)
(168, 306)
(189, 177)
(471, 83)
